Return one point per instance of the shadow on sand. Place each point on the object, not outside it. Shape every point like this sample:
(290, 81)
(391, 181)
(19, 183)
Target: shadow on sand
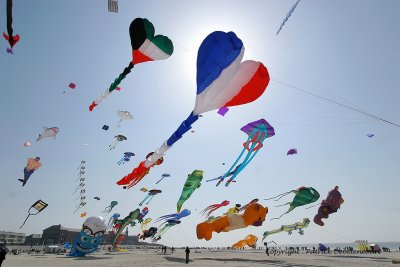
(377, 259)
(174, 259)
(269, 262)
(85, 258)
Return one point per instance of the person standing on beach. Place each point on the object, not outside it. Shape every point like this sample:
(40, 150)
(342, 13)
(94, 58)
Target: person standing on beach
(187, 250)
(3, 252)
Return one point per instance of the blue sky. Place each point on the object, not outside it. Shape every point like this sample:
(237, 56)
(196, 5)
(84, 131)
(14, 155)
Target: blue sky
(347, 51)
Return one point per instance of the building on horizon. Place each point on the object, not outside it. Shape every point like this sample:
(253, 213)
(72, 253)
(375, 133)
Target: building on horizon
(33, 240)
(12, 238)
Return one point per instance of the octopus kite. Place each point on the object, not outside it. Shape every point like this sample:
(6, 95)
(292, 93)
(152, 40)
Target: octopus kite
(109, 208)
(304, 196)
(210, 209)
(257, 132)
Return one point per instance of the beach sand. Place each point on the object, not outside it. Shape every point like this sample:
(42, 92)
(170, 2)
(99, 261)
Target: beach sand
(207, 258)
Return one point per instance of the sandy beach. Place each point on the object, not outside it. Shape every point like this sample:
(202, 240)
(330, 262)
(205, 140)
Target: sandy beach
(202, 258)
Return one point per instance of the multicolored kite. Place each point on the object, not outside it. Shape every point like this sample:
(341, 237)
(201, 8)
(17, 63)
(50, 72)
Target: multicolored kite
(31, 166)
(145, 47)
(257, 132)
(48, 132)
(210, 209)
(223, 80)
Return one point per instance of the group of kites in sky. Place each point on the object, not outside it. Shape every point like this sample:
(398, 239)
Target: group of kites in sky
(223, 80)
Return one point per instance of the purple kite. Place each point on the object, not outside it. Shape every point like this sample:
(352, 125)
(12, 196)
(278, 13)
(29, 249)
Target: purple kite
(292, 151)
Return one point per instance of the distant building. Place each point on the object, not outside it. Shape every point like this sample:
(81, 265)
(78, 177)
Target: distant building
(33, 240)
(12, 238)
(58, 234)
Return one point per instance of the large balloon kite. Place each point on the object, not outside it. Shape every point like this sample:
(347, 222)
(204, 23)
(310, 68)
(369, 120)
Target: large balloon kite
(223, 80)
(145, 47)
(31, 166)
(288, 16)
(304, 196)
(329, 205)
(148, 233)
(192, 183)
(210, 209)
(257, 131)
(90, 237)
(48, 132)
(289, 228)
(11, 38)
(150, 195)
(250, 240)
(253, 215)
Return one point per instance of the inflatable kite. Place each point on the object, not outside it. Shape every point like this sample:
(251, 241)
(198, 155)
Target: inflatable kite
(192, 183)
(97, 198)
(109, 208)
(304, 196)
(223, 80)
(329, 205)
(254, 215)
(148, 233)
(137, 174)
(38, 206)
(144, 189)
(143, 225)
(90, 237)
(370, 135)
(210, 209)
(31, 166)
(124, 115)
(27, 144)
(10, 37)
(245, 206)
(257, 132)
(111, 221)
(128, 220)
(175, 216)
(291, 151)
(150, 195)
(288, 16)
(289, 228)
(250, 240)
(233, 210)
(127, 157)
(48, 132)
(117, 138)
(164, 175)
(145, 47)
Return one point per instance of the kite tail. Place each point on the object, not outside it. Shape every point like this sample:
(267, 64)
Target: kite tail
(313, 206)
(280, 196)
(283, 204)
(279, 216)
(24, 221)
(160, 180)
(122, 76)
(150, 199)
(141, 203)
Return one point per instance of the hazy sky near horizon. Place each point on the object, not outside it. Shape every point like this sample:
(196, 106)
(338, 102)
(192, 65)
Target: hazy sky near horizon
(347, 51)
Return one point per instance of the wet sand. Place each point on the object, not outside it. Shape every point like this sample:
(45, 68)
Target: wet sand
(204, 258)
